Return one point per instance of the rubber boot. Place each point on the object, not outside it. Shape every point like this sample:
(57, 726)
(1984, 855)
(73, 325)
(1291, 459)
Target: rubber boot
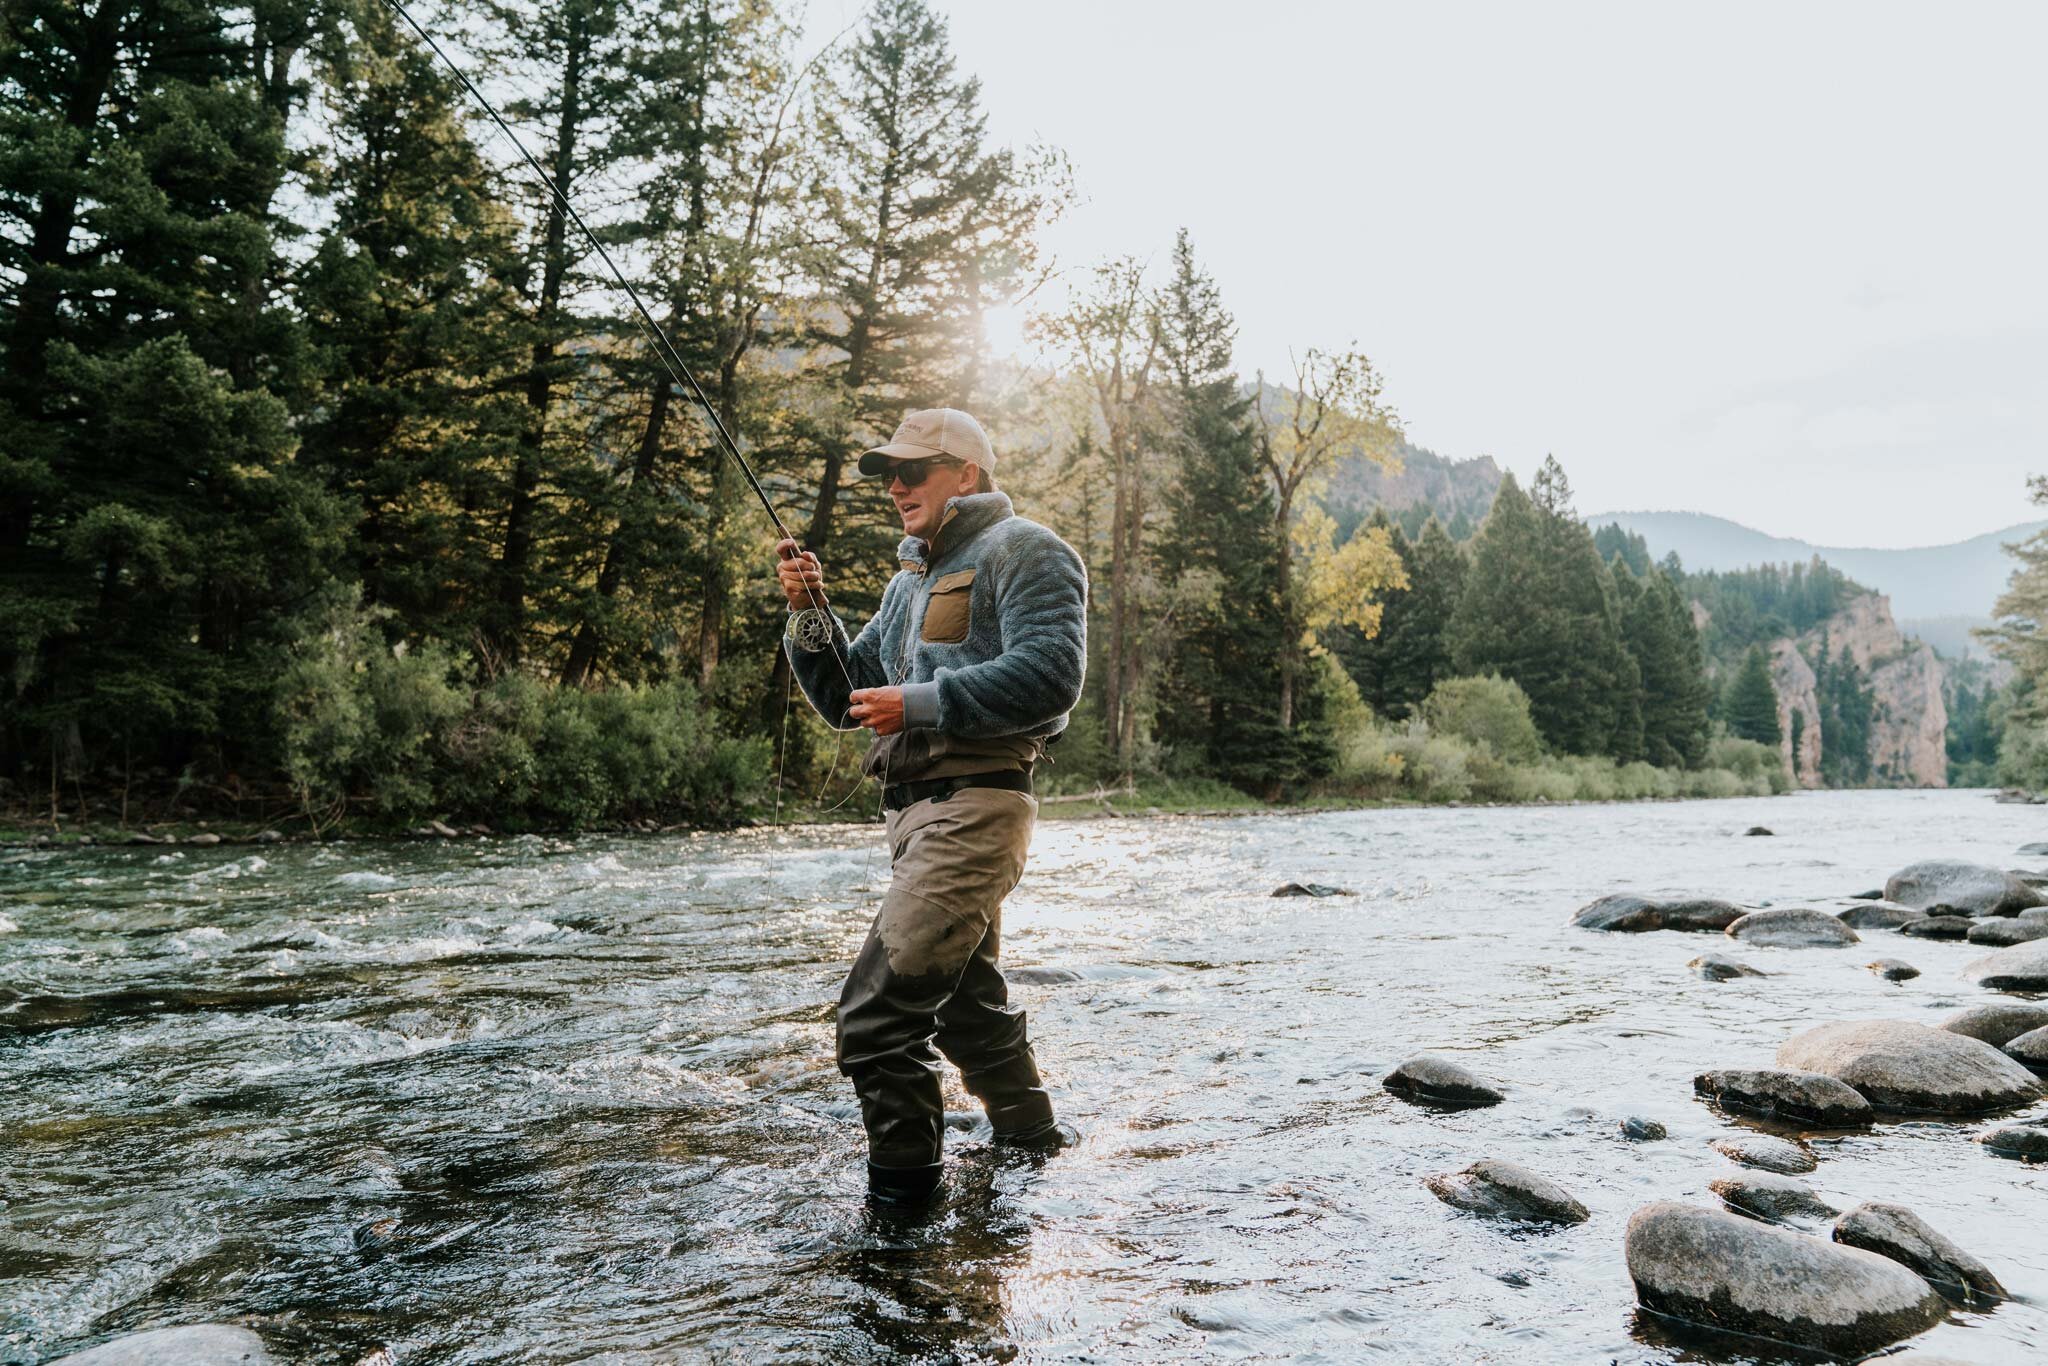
(904, 1189)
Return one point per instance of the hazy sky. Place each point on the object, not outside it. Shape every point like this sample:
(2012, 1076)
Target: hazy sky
(1783, 263)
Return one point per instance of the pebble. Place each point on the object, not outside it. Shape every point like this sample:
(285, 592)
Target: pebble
(1311, 889)
(1715, 967)
(1637, 1129)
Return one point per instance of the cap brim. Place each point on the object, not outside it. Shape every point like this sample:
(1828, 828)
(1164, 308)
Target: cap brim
(878, 460)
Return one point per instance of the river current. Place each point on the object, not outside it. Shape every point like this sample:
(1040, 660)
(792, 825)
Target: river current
(564, 1100)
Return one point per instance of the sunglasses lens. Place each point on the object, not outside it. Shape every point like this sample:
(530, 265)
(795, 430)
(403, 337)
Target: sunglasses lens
(912, 472)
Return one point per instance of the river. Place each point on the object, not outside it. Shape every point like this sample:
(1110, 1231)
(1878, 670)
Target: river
(552, 1100)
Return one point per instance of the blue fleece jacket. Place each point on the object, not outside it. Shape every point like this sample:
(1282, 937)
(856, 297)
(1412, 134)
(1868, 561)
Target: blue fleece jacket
(985, 629)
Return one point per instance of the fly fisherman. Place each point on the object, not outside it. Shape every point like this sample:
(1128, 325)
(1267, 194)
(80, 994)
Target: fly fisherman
(966, 672)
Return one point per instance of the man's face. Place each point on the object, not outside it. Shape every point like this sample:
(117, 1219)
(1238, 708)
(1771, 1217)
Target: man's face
(923, 506)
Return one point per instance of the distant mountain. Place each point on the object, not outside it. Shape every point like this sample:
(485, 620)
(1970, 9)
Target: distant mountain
(1957, 582)
(1457, 492)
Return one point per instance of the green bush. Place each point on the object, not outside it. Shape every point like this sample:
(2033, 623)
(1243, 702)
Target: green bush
(2023, 755)
(1758, 763)
(1491, 711)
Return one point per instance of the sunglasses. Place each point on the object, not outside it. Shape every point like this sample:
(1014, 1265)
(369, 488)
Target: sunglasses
(915, 472)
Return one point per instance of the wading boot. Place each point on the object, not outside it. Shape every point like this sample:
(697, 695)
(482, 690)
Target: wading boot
(904, 1190)
(1042, 1139)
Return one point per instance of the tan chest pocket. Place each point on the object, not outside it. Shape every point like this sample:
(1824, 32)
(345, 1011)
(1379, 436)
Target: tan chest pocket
(946, 616)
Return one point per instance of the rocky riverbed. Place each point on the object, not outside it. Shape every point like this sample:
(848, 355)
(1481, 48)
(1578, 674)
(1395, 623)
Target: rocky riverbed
(546, 1100)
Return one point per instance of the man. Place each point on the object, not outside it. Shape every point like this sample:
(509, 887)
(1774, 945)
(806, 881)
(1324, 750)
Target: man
(967, 671)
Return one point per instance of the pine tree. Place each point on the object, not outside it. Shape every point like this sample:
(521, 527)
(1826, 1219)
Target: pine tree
(1658, 628)
(1396, 668)
(1751, 705)
(1221, 691)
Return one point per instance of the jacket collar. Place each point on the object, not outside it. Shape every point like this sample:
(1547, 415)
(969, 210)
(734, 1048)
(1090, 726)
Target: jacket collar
(965, 518)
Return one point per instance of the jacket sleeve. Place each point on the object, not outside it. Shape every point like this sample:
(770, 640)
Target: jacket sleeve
(1041, 601)
(824, 675)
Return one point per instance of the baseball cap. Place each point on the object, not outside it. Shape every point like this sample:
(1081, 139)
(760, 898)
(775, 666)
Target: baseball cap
(929, 432)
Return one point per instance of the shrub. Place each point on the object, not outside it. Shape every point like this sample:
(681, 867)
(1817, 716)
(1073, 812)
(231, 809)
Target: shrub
(1491, 711)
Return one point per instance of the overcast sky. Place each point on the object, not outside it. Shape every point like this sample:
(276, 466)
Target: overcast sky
(1783, 263)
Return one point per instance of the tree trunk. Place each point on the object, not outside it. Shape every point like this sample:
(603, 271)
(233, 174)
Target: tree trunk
(1290, 638)
(515, 563)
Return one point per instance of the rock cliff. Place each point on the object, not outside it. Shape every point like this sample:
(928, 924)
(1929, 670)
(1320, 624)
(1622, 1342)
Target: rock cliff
(1909, 720)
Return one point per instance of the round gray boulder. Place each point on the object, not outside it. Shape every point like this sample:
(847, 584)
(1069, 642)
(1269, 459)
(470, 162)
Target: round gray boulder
(1893, 970)
(1877, 915)
(1718, 1271)
(1764, 1152)
(2022, 967)
(1997, 1024)
(1973, 888)
(1767, 1195)
(1804, 1097)
(1627, 913)
(1792, 927)
(1896, 1232)
(1432, 1080)
(1937, 926)
(2030, 1050)
(1998, 933)
(1901, 1066)
(1507, 1191)
(1715, 967)
(199, 1344)
(2022, 1141)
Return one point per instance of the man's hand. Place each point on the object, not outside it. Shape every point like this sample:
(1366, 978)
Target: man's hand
(801, 577)
(879, 709)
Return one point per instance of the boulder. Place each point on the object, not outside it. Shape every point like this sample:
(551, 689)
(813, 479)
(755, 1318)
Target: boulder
(1767, 1195)
(2030, 1050)
(1431, 1080)
(2001, 932)
(1893, 970)
(1763, 1151)
(1900, 1066)
(1877, 915)
(1937, 927)
(1737, 1276)
(1715, 967)
(1805, 1097)
(1997, 1024)
(1627, 913)
(2022, 1141)
(1637, 1129)
(2033, 913)
(1792, 927)
(199, 1344)
(1896, 1232)
(1972, 888)
(2022, 967)
(1508, 1191)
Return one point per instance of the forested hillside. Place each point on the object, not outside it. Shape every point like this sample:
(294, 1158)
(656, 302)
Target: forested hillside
(340, 482)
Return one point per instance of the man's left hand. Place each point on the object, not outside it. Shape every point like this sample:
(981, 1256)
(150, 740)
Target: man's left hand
(879, 709)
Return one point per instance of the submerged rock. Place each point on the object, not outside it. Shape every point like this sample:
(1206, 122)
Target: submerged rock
(1626, 913)
(1438, 1081)
(1937, 927)
(1893, 970)
(199, 1344)
(2001, 932)
(2022, 967)
(1897, 1065)
(1807, 1097)
(1763, 1151)
(1792, 927)
(2022, 1141)
(1507, 1190)
(1896, 1232)
(2030, 1050)
(1997, 1024)
(1731, 1274)
(1767, 1195)
(1759, 830)
(1877, 915)
(2034, 850)
(1043, 977)
(1974, 888)
(1311, 889)
(1715, 967)
(1637, 1129)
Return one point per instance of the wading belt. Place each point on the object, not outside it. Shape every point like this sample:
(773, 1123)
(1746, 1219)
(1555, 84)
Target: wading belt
(900, 795)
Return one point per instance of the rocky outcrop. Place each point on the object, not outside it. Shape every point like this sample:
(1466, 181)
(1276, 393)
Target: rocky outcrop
(1909, 718)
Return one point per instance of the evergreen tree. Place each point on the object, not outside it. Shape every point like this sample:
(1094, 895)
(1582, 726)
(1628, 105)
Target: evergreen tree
(1396, 668)
(1222, 686)
(1658, 628)
(1751, 705)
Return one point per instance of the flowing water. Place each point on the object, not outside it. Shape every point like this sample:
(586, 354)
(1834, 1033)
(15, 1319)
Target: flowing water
(545, 1100)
